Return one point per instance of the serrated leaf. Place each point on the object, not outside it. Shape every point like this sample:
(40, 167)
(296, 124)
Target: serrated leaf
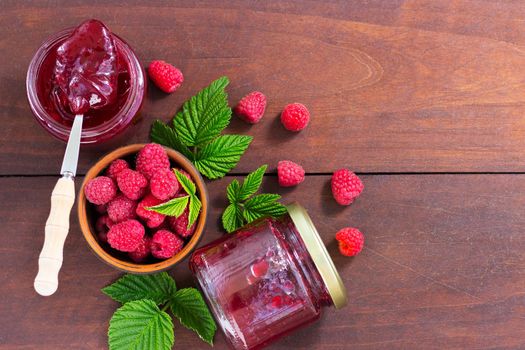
(221, 155)
(186, 183)
(232, 218)
(189, 307)
(205, 115)
(174, 207)
(138, 325)
(166, 136)
(194, 210)
(263, 205)
(252, 183)
(232, 191)
(158, 287)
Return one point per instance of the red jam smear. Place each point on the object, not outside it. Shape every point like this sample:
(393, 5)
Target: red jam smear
(84, 74)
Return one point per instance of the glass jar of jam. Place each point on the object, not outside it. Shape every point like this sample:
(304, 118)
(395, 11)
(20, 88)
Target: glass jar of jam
(98, 125)
(268, 278)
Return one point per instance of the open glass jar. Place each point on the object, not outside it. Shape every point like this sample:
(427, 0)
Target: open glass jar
(268, 278)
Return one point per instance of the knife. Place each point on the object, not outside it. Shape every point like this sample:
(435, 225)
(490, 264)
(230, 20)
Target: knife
(57, 224)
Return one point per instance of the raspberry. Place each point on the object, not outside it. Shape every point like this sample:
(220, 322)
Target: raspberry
(251, 107)
(295, 117)
(351, 241)
(165, 76)
(103, 237)
(152, 158)
(180, 224)
(142, 252)
(116, 167)
(103, 224)
(164, 185)
(152, 218)
(121, 208)
(289, 173)
(346, 186)
(126, 236)
(101, 209)
(132, 183)
(165, 244)
(100, 190)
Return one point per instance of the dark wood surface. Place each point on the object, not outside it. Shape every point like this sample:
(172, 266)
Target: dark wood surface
(425, 99)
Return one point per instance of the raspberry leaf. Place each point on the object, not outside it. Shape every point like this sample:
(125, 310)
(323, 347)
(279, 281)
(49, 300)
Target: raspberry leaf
(158, 287)
(221, 155)
(164, 135)
(232, 218)
(252, 183)
(194, 210)
(140, 324)
(174, 207)
(205, 115)
(189, 307)
(263, 205)
(186, 183)
(233, 191)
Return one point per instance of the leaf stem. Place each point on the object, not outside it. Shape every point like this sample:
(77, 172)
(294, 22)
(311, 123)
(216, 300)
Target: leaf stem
(167, 305)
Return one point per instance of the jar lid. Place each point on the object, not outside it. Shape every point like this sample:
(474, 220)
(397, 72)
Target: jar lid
(320, 256)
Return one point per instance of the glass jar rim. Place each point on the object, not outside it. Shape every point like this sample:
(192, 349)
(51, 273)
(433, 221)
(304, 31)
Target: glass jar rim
(94, 134)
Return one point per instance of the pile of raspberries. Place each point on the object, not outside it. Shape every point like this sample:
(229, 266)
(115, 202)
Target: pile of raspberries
(120, 197)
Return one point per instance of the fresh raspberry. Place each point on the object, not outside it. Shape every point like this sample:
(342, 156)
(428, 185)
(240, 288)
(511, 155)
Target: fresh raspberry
(251, 107)
(143, 250)
(346, 186)
(101, 209)
(116, 167)
(295, 117)
(100, 190)
(180, 224)
(164, 185)
(152, 158)
(103, 224)
(289, 173)
(121, 208)
(132, 183)
(165, 76)
(351, 241)
(126, 236)
(102, 236)
(165, 244)
(153, 219)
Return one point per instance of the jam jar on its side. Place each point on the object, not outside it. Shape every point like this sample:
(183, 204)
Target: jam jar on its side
(268, 278)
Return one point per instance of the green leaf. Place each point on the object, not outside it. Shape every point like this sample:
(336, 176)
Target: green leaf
(252, 183)
(166, 136)
(205, 115)
(221, 155)
(174, 207)
(194, 210)
(140, 324)
(158, 287)
(232, 218)
(189, 307)
(186, 183)
(233, 190)
(263, 205)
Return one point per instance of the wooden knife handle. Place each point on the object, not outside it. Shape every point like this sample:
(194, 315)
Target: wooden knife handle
(57, 228)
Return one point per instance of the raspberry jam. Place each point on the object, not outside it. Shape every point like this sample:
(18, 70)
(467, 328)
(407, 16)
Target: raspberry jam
(86, 70)
(267, 279)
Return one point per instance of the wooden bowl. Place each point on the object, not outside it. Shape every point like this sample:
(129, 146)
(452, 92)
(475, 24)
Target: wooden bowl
(116, 259)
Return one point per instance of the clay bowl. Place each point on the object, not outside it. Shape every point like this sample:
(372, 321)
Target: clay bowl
(86, 215)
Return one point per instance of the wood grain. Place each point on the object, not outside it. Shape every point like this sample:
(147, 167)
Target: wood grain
(394, 86)
(443, 267)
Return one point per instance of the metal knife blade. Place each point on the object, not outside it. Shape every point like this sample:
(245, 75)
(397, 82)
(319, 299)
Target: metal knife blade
(69, 164)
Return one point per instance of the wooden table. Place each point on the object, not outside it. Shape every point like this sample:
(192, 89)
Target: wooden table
(424, 99)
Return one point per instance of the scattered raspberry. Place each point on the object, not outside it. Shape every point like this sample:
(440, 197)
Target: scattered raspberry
(164, 185)
(116, 167)
(251, 107)
(351, 241)
(121, 208)
(165, 76)
(103, 224)
(100, 190)
(289, 173)
(126, 236)
(180, 224)
(101, 209)
(165, 244)
(143, 250)
(295, 117)
(132, 183)
(152, 218)
(346, 186)
(152, 158)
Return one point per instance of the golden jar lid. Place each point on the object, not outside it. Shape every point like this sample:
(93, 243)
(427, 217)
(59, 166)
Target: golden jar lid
(321, 258)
